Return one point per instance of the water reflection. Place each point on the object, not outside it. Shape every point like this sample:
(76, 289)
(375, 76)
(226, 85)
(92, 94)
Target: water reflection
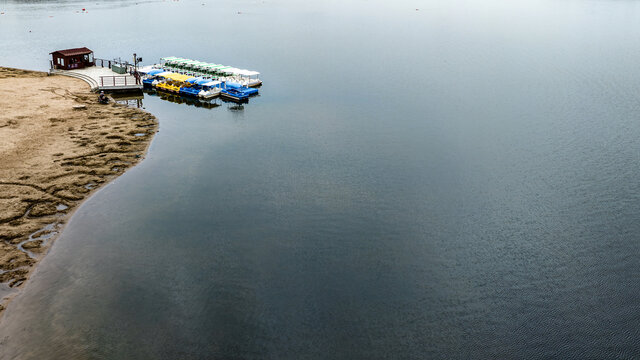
(136, 100)
(179, 99)
(235, 107)
(197, 102)
(487, 210)
(129, 99)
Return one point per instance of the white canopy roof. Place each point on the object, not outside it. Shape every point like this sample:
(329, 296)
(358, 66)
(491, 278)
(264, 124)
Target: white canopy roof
(249, 73)
(211, 83)
(242, 72)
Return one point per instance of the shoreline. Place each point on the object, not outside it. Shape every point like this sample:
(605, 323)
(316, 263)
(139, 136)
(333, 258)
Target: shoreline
(62, 146)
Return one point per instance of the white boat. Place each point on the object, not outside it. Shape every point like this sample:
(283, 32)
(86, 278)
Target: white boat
(210, 89)
(250, 78)
(243, 77)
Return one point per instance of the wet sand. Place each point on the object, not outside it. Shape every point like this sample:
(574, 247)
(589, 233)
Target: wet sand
(57, 146)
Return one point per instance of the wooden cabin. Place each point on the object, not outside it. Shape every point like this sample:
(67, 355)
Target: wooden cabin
(72, 58)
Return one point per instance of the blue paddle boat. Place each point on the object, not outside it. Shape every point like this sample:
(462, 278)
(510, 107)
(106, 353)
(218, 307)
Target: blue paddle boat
(152, 76)
(244, 89)
(234, 94)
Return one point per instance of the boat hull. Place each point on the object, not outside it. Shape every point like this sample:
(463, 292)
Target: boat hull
(236, 87)
(234, 97)
(210, 96)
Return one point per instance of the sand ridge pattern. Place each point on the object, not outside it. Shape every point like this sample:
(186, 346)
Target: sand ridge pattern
(57, 145)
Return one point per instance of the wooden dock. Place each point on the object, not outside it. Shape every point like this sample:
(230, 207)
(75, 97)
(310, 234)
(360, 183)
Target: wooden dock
(103, 79)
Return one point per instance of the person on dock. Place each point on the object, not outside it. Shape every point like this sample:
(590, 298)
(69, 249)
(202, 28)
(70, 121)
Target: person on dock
(102, 98)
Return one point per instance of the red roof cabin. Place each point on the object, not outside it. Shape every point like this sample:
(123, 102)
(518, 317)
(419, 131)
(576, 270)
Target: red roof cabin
(72, 58)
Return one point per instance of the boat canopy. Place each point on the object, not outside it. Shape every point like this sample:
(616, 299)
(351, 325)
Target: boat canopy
(232, 70)
(195, 80)
(155, 72)
(211, 83)
(200, 65)
(250, 73)
(164, 73)
(177, 77)
(245, 72)
(225, 69)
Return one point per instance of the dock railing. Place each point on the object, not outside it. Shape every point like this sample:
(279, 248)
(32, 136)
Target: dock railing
(109, 63)
(119, 80)
(102, 62)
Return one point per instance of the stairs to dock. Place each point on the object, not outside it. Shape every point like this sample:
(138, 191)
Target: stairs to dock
(86, 78)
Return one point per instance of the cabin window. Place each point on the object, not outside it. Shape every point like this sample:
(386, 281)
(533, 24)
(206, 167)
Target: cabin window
(62, 61)
(91, 57)
(86, 58)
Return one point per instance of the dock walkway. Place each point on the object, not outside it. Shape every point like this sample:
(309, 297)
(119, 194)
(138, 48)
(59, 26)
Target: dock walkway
(103, 79)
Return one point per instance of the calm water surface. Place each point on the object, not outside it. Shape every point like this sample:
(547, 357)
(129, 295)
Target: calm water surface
(418, 179)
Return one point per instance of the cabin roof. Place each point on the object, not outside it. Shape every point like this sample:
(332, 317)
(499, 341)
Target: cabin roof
(72, 52)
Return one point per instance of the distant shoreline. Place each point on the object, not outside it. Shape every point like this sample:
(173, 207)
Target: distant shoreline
(59, 146)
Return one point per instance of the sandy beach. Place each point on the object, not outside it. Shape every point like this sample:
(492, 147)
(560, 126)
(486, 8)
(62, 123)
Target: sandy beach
(58, 145)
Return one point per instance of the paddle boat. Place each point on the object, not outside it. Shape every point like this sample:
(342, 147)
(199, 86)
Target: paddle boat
(244, 77)
(239, 84)
(251, 78)
(189, 90)
(153, 77)
(187, 85)
(240, 87)
(169, 86)
(201, 88)
(173, 82)
(184, 65)
(210, 89)
(234, 94)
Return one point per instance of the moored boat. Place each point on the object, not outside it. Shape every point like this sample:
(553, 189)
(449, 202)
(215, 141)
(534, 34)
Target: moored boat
(240, 87)
(186, 85)
(173, 82)
(152, 77)
(212, 71)
(234, 94)
(210, 89)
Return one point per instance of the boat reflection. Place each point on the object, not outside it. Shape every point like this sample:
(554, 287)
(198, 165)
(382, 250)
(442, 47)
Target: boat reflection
(178, 99)
(235, 107)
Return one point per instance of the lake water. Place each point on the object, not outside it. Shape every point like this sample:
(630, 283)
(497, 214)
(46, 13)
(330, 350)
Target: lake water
(418, 180)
